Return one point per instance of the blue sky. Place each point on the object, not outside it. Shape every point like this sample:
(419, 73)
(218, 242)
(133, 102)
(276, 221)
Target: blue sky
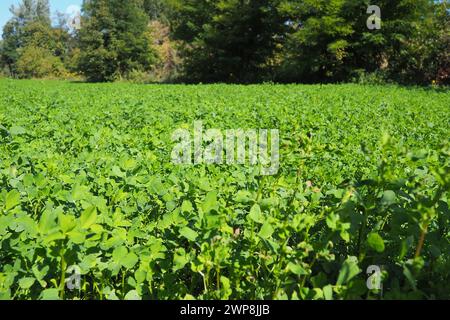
(55, 5)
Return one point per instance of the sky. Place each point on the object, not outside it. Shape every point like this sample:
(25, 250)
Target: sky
(55, 5)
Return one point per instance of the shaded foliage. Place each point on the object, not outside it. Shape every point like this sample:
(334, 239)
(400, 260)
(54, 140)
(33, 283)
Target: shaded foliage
(228, 41)
(114, 39)
(241, 41)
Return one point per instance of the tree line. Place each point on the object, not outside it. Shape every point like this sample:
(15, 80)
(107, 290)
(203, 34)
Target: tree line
(235, 41)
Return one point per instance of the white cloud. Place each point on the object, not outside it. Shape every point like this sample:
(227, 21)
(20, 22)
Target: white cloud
(73, 10)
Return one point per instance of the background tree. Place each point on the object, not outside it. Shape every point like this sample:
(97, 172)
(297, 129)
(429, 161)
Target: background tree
(114, 39)
(392, 49)
(161, 13)
(159, 10)
(440, 58)
(232, 41)
(329, 40)
(3, 66)
(317, 44)
(10, 45)
(424, 57)
(38, 62)
(28, 35)
(228, 40)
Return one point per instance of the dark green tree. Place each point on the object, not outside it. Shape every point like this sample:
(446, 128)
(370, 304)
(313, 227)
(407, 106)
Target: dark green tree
(317, 43)
(11, 42)
(159, 9)
(424, 56)
(228, 40)
(114, 39)
(329, 39)
(3, 65)
(393, 49)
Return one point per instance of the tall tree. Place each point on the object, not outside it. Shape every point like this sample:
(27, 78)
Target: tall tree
(159, 9)
(392, 48)
(43, 10)
(16, 29)
(11, 42)
(318, 41)
(114, 39)
(329, 40)
(228, 40)
(423, 56)
(2, 63)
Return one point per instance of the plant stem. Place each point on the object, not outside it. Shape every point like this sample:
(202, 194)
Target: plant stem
(421, 241)
(62, 284)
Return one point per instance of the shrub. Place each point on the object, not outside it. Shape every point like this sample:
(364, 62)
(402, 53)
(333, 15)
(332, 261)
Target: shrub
(35, 62)
(138, 76)
(370, 78)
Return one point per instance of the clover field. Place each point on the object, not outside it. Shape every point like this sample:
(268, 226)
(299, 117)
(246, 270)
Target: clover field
(87, 188)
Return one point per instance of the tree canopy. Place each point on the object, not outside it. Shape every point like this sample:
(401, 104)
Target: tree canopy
(239, 41)
(114, 39)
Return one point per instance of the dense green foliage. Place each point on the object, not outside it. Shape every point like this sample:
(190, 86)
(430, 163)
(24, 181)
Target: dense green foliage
(32, 48)
(329, 40)
(114, 39)
(86, 179)
(313, 40)
(238, 41)
(228, 40)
